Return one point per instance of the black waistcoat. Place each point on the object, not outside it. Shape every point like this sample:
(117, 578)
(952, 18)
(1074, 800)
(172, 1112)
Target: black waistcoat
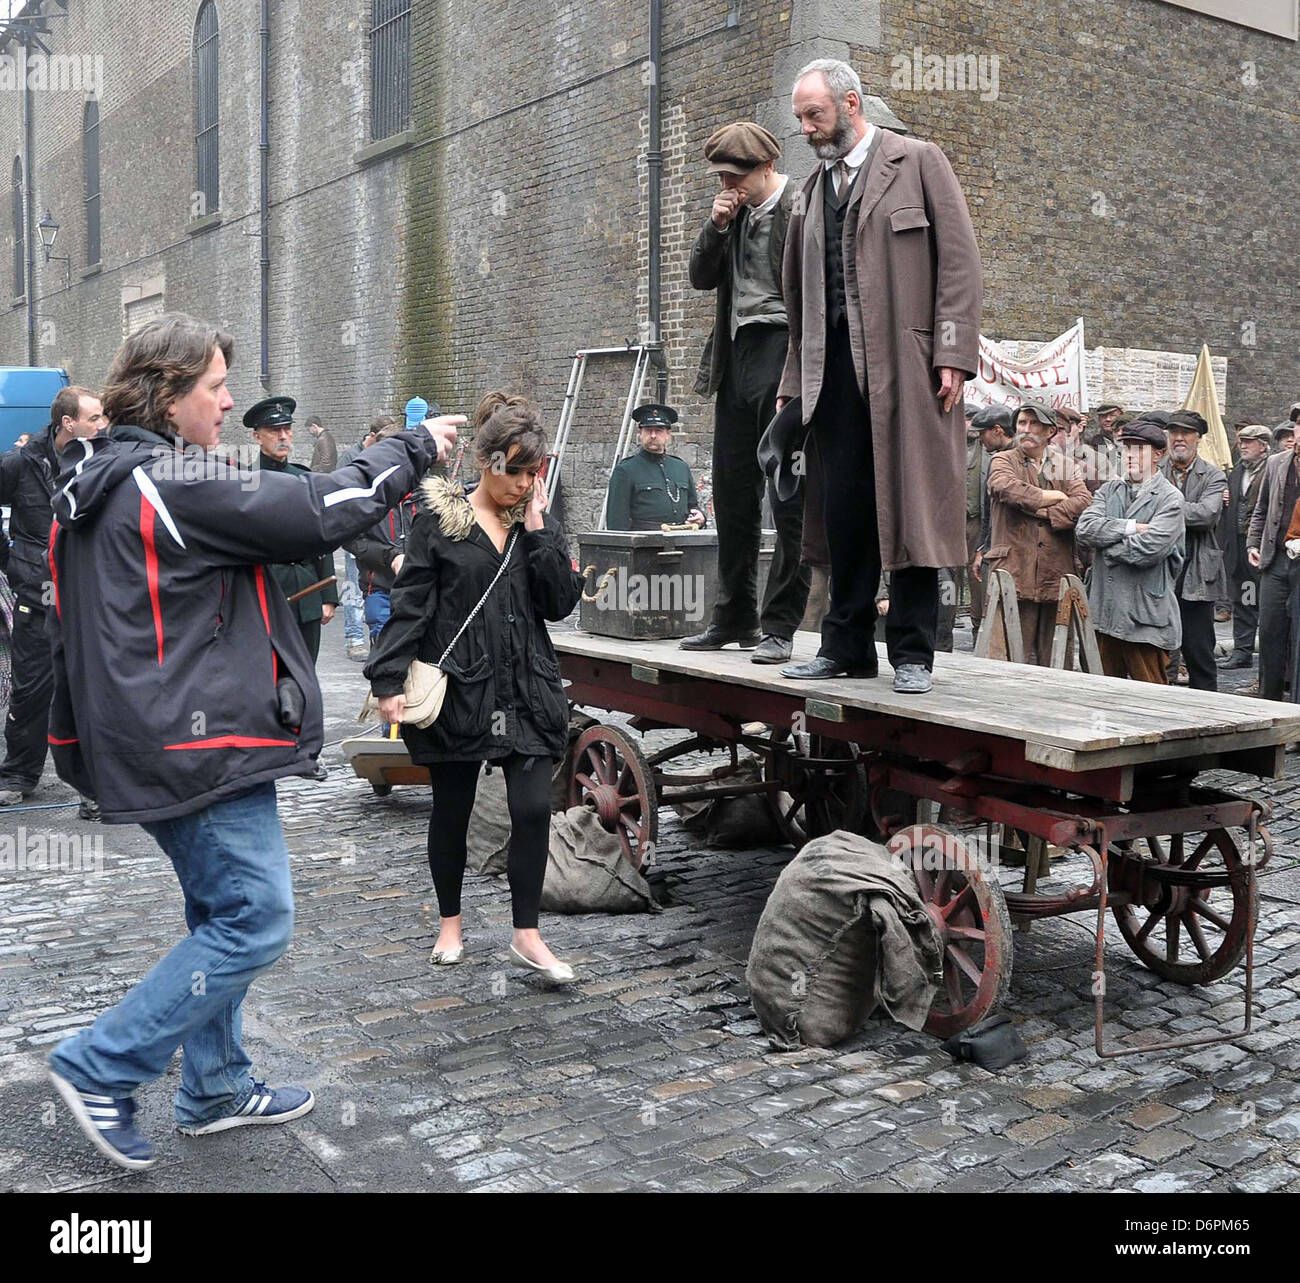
(833, 212)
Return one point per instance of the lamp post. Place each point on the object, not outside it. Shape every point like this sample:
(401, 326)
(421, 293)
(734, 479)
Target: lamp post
(49, 230)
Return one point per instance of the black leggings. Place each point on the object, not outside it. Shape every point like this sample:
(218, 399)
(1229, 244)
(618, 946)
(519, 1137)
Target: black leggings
(528, 795)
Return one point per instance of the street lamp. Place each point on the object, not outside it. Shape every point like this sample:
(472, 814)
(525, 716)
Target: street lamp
(49, 230)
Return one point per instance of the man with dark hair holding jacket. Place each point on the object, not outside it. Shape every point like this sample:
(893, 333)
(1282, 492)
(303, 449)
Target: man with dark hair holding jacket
(183, 691)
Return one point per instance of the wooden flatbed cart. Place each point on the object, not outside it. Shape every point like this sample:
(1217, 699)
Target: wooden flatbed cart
(1096, 767)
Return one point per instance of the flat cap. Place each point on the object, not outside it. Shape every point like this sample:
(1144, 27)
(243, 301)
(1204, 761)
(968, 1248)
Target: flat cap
(992, 416)
(1284, 429)
(1040, 412)
(1254, 432)
(271, 412)
(1107, 406)
(739, 147)
(1161, 417)
(1188, 419)
(1294, 411)
(1145, 430)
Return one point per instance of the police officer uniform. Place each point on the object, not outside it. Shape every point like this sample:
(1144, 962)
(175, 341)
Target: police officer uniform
(294, 576)
(647, 490)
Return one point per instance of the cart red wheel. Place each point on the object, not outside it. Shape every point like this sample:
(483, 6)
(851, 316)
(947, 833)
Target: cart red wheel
(822, 785)
(612, 776)
(1190, 918)
(967, 907)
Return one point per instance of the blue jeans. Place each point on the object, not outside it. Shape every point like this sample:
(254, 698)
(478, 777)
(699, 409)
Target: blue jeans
(378, 608)
(233, 867)
(354, 615)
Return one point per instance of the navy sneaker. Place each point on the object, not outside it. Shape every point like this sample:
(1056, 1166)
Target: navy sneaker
(264, 1105)
(108, 1123)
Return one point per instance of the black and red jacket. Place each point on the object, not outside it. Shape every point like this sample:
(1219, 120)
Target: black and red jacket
(375, 548)
(168, 634)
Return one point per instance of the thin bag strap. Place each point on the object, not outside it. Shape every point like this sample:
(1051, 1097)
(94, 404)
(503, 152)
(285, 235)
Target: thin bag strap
(469, 619)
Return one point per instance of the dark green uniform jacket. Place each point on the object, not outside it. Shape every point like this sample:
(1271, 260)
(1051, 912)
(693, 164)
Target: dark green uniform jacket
(648, 490)
(294, 576)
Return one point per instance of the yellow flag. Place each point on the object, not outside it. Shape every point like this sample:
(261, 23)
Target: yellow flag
(1204, 399)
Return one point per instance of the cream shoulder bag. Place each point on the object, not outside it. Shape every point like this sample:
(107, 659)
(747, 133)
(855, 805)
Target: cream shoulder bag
(426, 684)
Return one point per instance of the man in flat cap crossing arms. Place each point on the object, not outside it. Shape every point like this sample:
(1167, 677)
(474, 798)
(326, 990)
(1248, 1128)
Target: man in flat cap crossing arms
(882, 285)
(738, 254)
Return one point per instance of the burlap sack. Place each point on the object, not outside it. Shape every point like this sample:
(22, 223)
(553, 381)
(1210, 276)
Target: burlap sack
(815, 962)
(742, 821)
(488, 839)
(586, 871)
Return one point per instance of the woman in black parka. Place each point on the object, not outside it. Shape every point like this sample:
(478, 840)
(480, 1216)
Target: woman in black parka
(504, 702)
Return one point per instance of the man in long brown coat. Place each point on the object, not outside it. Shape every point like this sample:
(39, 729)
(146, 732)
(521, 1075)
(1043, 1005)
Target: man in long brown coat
(1038, 496)
(882, 285)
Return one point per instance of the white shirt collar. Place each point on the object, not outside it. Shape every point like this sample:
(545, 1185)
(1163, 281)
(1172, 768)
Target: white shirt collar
(855, 158)
(769, 204)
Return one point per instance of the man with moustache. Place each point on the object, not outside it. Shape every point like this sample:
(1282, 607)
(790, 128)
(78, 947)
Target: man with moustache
(1037, 497)
(882, 286)
(1203, 487)
(653, 488)
(738, 254)
(271, 421)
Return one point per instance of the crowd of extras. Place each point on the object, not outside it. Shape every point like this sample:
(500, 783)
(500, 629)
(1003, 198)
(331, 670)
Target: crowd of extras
(1177, 548)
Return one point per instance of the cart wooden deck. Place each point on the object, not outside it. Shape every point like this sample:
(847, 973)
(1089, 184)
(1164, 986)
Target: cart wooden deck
(1036, 724)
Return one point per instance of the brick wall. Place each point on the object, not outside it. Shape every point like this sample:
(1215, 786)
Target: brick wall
(1132, 168)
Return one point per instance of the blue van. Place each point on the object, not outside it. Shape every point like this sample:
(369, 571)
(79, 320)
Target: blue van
(26, 393)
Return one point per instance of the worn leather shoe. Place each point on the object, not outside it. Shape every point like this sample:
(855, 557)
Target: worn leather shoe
(1236, 660)
(14, 796)
(824, 666)
(715, 638)
(772, 650)
(912, 679)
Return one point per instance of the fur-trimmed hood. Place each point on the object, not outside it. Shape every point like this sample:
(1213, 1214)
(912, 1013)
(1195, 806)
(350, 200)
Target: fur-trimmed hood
(447, 501)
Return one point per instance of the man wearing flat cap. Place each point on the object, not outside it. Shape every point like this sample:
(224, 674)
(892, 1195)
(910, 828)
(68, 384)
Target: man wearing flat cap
(1253, 440)
(738, 255)
(883, 285)
(1136, 525)
(1037, 497)
(652, 488)
(1203, 488)
(271, 421)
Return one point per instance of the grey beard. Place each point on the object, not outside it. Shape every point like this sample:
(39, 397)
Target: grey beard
(841, 141)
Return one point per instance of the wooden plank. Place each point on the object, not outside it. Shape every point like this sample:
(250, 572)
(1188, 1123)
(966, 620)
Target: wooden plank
(1080, 713)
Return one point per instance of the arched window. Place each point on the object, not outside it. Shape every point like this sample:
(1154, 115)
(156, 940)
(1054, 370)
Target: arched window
(390, 67)
(207, 160)
(90, 151)
(20, 223)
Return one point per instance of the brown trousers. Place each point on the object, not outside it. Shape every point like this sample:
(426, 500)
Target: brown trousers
(1138, 660)
(976, 586)
(1037, 631)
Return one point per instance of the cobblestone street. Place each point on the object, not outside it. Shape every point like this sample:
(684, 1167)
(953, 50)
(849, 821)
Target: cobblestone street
(651, 1072)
